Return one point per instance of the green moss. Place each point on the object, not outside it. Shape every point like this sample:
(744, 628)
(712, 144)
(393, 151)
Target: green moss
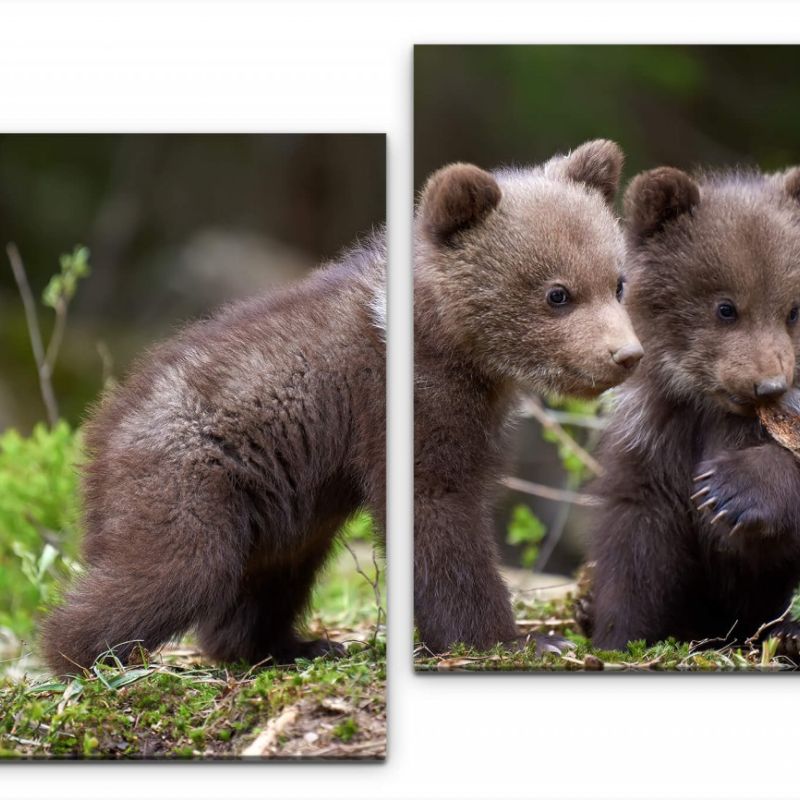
(669, 655)
(346, 730)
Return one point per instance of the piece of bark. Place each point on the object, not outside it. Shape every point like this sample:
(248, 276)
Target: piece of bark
(782, 420)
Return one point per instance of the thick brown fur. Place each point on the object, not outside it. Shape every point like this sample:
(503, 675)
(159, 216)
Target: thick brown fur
(698, 536)
(483, 330)
(221, 470)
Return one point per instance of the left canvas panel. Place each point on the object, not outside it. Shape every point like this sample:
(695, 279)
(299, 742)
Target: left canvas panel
(192, 476)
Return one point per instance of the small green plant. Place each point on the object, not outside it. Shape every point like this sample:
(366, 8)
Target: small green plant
(38, 479)
(346, 730)
(794, 611)
(525, 530)
(57, 295)
(62, 286)
(38, 520)
(358, 528)
(570, 460)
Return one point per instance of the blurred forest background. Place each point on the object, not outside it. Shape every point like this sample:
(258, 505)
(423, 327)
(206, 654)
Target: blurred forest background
(685, 106)
(176, 225)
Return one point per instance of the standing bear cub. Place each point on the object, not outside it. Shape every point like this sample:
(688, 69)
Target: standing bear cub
(699, 533)
(518, 284)
(221, 471)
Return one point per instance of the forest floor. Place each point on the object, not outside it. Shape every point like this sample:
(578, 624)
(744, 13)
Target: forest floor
(550, 607)
(175, 705)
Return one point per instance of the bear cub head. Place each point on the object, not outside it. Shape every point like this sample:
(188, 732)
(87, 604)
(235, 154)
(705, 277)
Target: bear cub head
(525, 266)
(715, 284)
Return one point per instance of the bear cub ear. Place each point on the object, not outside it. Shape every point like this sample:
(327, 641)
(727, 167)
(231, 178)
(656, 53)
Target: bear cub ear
(598, 164)
(455, 198)
(791, 183)
(657, 196)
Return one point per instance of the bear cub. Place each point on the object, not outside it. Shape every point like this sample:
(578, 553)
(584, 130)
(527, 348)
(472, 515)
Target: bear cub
(698, 536)
(518, 285)
(220, 472)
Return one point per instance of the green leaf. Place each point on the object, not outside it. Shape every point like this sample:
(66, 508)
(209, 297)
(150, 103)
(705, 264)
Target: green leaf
(52, 686)
(130, 676)
(527, 530)
(62, 286)
(525, 527)
(73, 690)
(98, 671)
(46, 560)
(529, 556)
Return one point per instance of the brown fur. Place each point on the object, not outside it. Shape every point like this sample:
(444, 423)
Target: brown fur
(726, 560)
(483, 330)
(220, 472)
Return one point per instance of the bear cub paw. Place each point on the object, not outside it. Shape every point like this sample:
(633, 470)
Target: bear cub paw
(788, 635)
(729, 495)
(310, 649)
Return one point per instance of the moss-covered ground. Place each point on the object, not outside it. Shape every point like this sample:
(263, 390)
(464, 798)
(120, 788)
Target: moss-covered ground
(558, 616)
(175, 705)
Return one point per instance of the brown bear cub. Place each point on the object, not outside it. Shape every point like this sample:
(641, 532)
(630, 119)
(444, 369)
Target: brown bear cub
(699, 532)
(221, 471)
(518, 283)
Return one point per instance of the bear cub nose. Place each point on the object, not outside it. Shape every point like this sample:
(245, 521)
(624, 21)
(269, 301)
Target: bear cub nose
(770, 388)
(628, 355)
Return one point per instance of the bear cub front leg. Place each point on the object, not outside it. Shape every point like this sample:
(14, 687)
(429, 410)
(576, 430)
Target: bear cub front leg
(747, 493)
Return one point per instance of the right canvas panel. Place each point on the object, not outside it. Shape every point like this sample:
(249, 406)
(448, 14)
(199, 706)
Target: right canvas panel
(607, 419)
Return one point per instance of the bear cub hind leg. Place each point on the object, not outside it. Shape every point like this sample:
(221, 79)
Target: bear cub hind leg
(260, 622)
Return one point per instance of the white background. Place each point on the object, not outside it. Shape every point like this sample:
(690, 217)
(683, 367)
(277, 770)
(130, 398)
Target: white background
(347, 66)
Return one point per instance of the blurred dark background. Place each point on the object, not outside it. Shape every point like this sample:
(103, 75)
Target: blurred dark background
(684, 106)
(176, 225)
(678, 105)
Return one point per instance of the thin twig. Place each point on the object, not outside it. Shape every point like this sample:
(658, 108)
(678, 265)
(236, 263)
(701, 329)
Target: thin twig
(374, 583)
(549, 493)
(107, 361)
(550, 622)
(373, 747)
(753, 640)
(702, 644)
(34, 333)
(533, 406)
(57, 336)
(264, 743)
(558, 527)
(570, 418)
(376, 589)
(569, 584)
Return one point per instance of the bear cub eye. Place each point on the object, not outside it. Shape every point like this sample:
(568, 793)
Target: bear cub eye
(794, 315)
(620, 288)
(726, 312)
(557, 296)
